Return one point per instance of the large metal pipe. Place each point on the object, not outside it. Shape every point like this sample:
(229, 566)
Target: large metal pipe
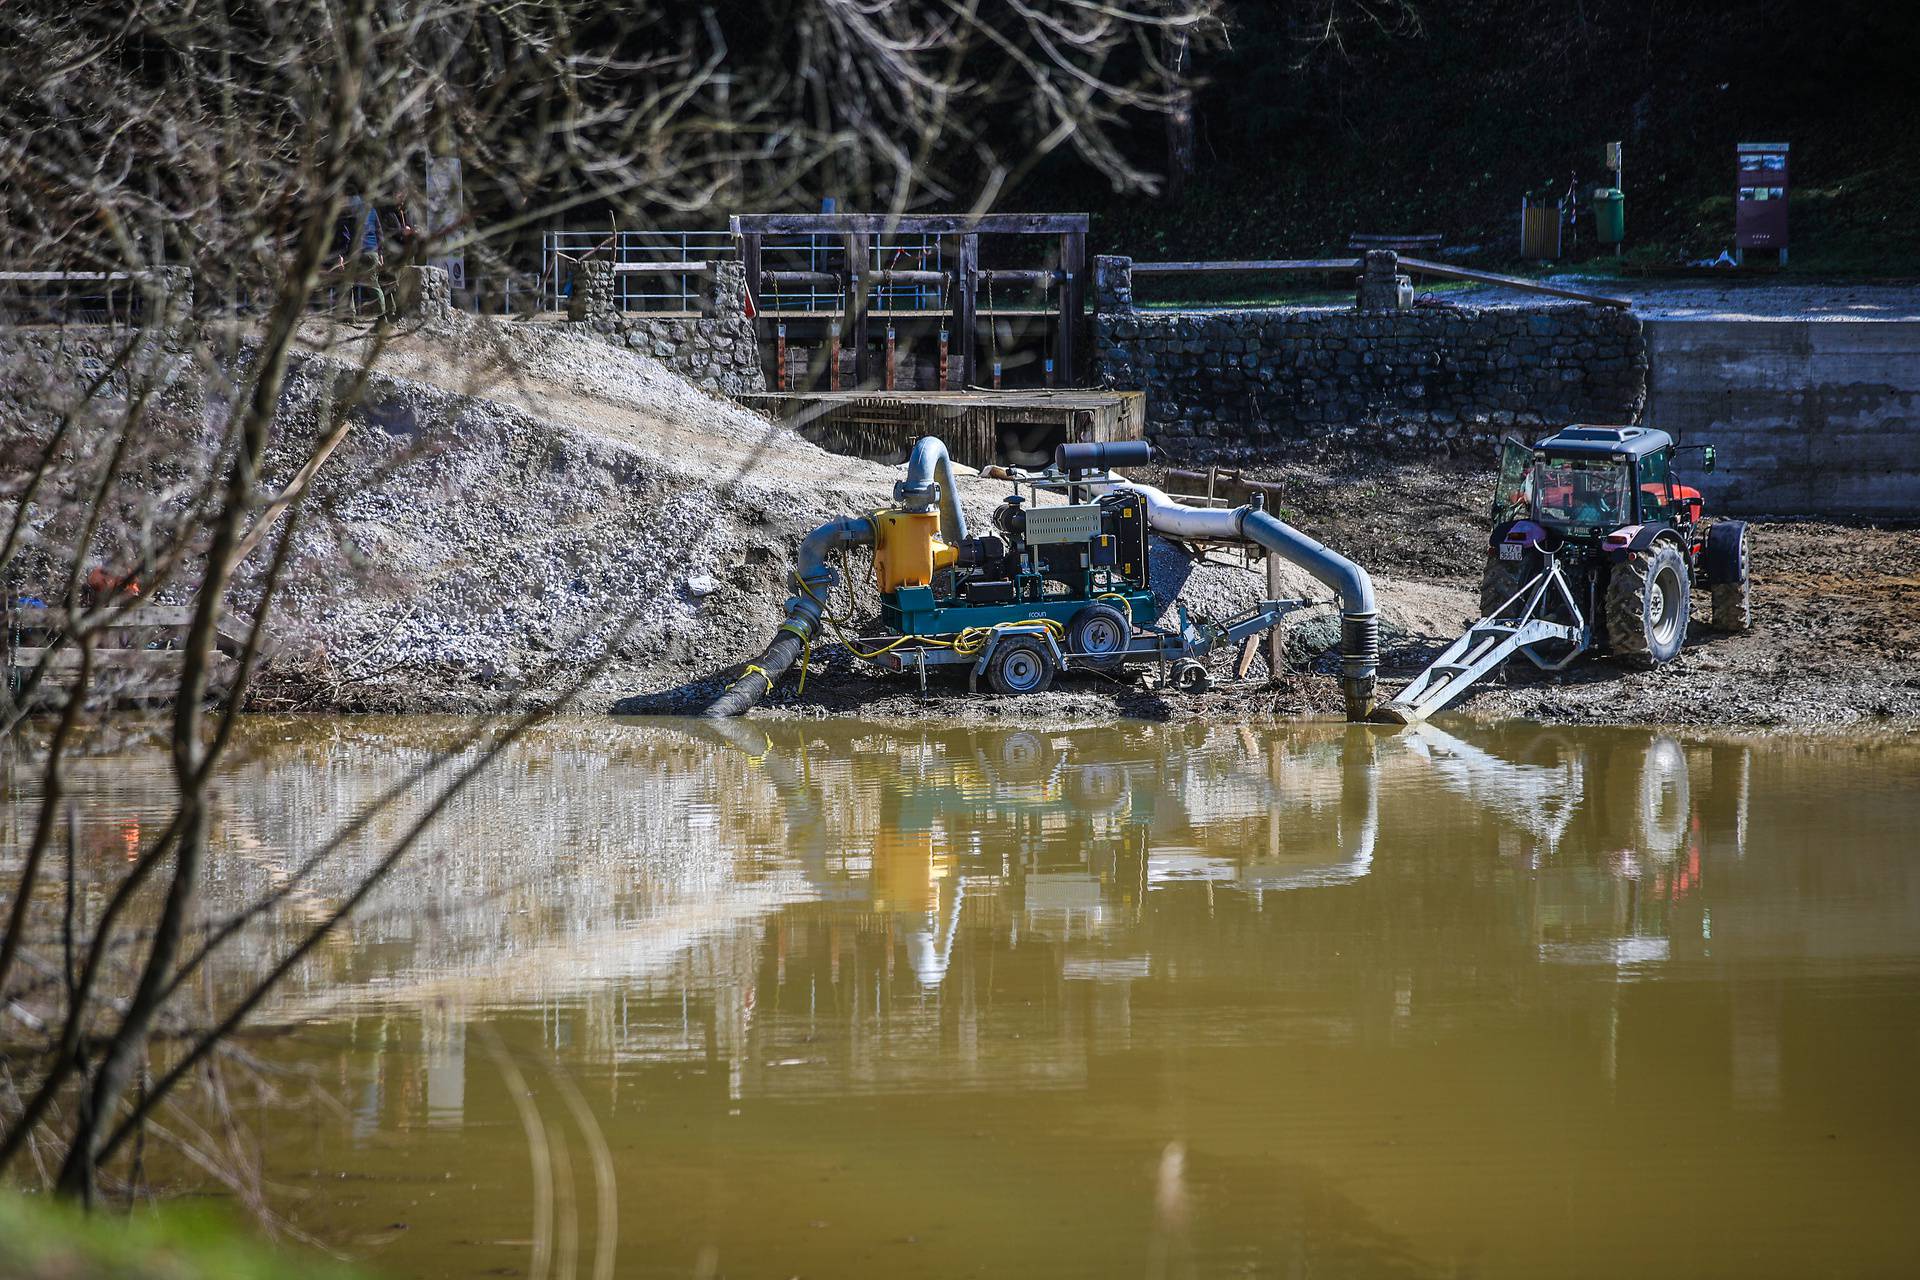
(1359, 621)
(930, 476)
(813, 579)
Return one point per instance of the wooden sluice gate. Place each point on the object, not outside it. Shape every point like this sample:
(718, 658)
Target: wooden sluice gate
(1015, 428)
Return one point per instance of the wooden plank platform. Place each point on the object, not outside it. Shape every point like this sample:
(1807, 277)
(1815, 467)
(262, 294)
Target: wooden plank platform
(979, 427)
(132, 660)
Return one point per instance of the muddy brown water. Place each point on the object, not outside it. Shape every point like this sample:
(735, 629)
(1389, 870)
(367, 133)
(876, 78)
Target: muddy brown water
(837, 999)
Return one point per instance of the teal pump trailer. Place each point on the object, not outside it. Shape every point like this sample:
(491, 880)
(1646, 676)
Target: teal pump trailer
(1051, 587)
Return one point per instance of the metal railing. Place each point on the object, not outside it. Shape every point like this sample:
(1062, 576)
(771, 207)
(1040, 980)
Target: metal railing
(666, 270)
(69, 297)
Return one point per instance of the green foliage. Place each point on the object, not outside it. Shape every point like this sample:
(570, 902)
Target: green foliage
(45, 1240)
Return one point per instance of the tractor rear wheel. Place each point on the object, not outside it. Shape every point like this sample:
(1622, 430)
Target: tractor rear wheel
(1498, 582)
(1648, 605)
(1020, 665)
(1098, 636)
(1728, 564)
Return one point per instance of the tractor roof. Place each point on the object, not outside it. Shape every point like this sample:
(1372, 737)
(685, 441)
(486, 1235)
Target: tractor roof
(1635, 442)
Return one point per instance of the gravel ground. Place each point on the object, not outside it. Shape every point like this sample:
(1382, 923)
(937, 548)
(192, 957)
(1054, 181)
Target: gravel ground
(524, 500)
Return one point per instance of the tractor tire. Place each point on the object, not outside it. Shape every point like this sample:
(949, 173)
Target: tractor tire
(1498, 581)
(1733, 607)
(1021, 665)
(1098, 636)
(1728, 565)
(1649, 604)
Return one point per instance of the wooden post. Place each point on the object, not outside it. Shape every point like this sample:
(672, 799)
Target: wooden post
(1244, 663)
(940, 380)
(1073, 271)
(857, 255)
(833, 355)
(964, 313)
(1276, 638)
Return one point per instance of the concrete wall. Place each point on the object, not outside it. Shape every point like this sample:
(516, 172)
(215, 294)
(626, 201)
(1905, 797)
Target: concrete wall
(1243, 385)
(1808, 416)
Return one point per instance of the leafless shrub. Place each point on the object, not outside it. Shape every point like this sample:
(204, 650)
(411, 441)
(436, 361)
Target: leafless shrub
(211, 166)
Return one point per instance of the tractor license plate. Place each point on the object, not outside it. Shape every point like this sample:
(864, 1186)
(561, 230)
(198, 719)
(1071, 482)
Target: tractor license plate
(1511, 550)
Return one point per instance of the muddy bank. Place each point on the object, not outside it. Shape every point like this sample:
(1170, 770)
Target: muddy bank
(523, 511)
(1836, 639)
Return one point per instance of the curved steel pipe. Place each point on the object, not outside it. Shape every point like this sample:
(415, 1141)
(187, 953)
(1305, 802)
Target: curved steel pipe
(1359, 622)
(930, 475)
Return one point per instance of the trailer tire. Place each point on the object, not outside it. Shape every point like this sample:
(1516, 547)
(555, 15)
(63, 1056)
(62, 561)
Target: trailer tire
(1021, 665)
(1498, 582)
(1189, 676)
(1649, 603)
(1098, 636)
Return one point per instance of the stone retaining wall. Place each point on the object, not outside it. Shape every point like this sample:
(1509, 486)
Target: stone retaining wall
(1240, 385)
(718, 350)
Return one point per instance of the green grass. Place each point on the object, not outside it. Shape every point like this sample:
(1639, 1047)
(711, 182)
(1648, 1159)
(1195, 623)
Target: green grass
(44, 1240)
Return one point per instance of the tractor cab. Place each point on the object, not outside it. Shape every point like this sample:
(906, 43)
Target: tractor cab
(1584, 483)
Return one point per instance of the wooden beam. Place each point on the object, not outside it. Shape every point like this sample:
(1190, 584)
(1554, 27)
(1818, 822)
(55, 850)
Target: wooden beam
(1250, 264)
(232, 628)
(145, 661)
(872, 224)
(56, 276)
(858, 254)
(1508, 282)
(1073, 271)
(965, 317)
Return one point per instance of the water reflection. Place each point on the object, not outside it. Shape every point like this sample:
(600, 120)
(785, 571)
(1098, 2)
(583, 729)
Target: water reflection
(1314, 998)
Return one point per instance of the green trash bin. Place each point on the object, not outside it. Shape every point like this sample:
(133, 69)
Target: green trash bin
(1609, 215)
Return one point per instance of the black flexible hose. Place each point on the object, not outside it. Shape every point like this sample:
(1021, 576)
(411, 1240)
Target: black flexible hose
(763, 672)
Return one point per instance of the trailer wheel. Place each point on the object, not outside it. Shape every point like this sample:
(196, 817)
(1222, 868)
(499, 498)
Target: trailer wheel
(1648, 605)
(1498, 583)
(1728, 565)
(1020, 665)
(1189, 676)
(1098, 636)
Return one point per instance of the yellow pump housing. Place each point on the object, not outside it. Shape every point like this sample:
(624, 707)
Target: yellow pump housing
(907, 549)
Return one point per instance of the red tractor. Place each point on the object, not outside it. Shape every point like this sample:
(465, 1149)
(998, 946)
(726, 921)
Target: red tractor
(1605, 504)
(1595, 545)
